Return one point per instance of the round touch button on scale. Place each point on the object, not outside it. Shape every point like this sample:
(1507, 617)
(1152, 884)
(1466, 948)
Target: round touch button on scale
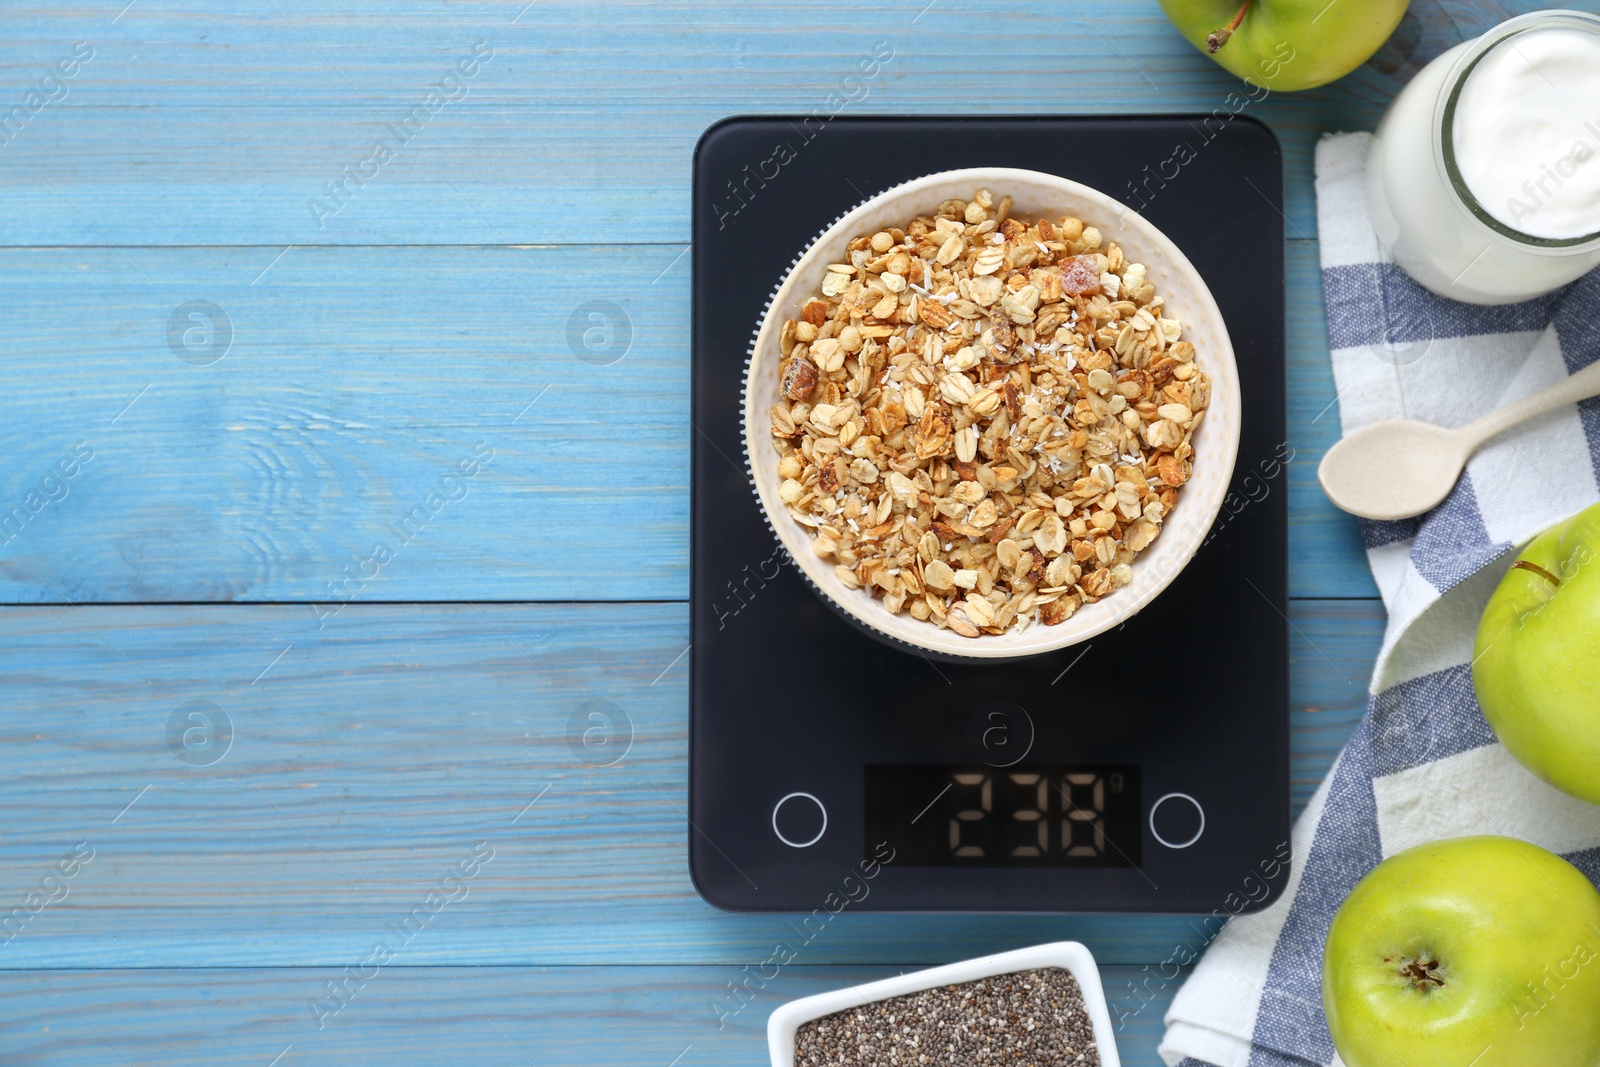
(1177, 820)
(799, 820)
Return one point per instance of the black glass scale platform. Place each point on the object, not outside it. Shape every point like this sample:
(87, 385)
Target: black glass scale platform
(1155, 756)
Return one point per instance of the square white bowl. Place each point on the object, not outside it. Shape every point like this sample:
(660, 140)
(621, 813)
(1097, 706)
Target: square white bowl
(1070, 956)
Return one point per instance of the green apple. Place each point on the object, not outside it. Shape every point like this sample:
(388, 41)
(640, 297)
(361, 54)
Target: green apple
(1471, 952)
(1287, 44)
(1536, 667)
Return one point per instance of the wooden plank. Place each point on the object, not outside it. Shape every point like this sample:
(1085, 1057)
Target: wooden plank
(356, 383)
(1326, 556)
(639, 1016)
(220, 123)
(1332, 647)
(371, 757)
(345, 398)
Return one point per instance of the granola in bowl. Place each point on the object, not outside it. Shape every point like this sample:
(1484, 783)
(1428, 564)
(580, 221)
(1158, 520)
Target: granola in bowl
(984, 419)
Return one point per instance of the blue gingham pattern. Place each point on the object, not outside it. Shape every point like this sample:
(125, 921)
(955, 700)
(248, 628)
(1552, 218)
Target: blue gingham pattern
(1423, 764)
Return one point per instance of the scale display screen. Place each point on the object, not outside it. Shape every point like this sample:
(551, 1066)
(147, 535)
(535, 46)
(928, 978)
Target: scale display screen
(1038, 815)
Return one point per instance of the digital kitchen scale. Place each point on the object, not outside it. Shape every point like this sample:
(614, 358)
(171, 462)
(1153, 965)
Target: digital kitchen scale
(1145, 770)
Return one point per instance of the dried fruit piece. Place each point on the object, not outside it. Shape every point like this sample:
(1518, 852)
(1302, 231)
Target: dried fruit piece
(1080, 276)
(1038, 572)
(799, 379)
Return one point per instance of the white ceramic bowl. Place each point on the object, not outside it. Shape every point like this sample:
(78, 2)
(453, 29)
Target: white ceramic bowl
(1035, 194)
(1068, 955)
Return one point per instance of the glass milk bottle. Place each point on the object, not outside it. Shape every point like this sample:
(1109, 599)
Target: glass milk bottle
(1484, 176)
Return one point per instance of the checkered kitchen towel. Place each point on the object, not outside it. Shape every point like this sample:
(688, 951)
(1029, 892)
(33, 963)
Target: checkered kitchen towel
(1423, 764)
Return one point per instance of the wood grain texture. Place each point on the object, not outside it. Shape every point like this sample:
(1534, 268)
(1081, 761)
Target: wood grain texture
(219, 123)
(1326, 556)
(643, 1016)
(371, 756)
(353, 383)
(1332, 647)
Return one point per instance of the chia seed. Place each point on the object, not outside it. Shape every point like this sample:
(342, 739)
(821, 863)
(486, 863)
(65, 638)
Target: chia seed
(1024, 1019)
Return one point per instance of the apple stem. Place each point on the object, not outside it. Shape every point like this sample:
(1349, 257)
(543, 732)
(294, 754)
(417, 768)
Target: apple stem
(1217, 38)
(1536, 569)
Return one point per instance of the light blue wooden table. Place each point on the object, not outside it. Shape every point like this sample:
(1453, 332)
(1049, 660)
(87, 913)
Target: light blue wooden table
(242, 352)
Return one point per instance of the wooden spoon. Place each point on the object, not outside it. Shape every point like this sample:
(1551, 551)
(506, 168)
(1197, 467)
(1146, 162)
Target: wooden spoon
(1401, 468)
